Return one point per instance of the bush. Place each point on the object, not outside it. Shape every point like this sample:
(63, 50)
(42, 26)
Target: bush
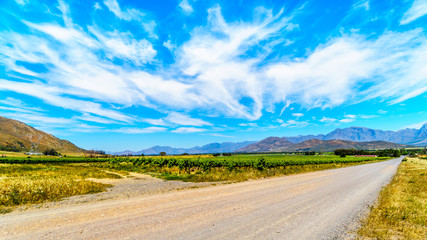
(260, 163)
(51, 152)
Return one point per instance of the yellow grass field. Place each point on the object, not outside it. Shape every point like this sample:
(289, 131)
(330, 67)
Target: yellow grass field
(401, 211)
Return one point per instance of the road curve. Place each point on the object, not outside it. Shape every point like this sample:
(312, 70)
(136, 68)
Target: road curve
(317, 205)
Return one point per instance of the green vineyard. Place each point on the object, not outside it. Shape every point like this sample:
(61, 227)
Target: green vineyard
(259, 162)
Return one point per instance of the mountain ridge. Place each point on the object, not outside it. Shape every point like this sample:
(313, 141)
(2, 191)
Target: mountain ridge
(362, 134)
(361, 137)
(317, 145)
(207, 148)
(20, 136)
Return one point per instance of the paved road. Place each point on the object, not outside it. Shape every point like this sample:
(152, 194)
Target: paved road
(318, 205)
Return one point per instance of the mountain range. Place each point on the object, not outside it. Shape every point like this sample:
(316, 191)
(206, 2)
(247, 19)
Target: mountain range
(208, 148)
(360, 134)
(352, 137)
(275, 144)
(17, 135)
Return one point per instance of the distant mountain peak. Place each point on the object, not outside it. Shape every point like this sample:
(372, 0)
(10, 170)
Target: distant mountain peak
(351, 137)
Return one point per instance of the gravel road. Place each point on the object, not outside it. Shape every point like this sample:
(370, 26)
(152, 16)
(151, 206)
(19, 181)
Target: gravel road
(317, 205)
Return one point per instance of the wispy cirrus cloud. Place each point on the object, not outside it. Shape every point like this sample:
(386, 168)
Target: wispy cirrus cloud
(328, 120)
(189, 130)
(132, 14)
(347, 118)
(186, 7)
(128, 15)
(297, 115)
(417, 10)
(182, 119)
(223, 69)
(292, 123)
(21, 2)
(131, 130)
(18, 104)
(415, 125)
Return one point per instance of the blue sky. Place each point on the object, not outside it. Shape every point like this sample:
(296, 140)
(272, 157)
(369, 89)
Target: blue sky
(118, 75)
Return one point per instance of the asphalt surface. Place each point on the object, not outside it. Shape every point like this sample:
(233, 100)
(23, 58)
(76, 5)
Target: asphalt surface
(318, 205)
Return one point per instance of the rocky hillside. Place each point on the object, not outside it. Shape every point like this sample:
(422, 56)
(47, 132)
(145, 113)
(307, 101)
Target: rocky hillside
(15, 134)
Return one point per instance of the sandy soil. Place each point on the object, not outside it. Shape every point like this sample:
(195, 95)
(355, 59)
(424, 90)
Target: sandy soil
(318, 205)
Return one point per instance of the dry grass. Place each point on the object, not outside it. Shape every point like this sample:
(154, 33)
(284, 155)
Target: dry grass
(12, 154)
(401, 212)
(37, 183)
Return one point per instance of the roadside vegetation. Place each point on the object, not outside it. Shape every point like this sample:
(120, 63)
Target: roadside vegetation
(36, 183)
(37, 179)
(401, 211)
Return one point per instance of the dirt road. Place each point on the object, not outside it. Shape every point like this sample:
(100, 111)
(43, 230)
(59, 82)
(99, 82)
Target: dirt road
(318, 205)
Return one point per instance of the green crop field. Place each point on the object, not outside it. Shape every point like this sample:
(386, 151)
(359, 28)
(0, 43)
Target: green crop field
(36, 179)
(204, 168)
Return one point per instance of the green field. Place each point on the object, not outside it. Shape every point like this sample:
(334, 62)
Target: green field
(27, 180)
(206, 168)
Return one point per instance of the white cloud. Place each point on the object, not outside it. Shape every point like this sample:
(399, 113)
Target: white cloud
(158, 122)
(140, 130)
(65, 10)
(124, 46)
(409, 95)
(367, 116)
(221, 135)
(188, 130)
(350, 116)
(346, 120)
(38, 119)
(297, 115)
(21, 2)
(332, 74)
(327, 120)
(87, 128)
(364, 4)
(415, 125)
(132, 14)
(325, 78)
(382, 111)
(128, 15)
(51, 96)
(287, 104)
(417, 10)
(181, 119)
(213, 56)
(90, 118)
(293, 123)
(18, 104)
(96, 6)
(248, 124)
(213, 73)
(186, 7)
(168, 44)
